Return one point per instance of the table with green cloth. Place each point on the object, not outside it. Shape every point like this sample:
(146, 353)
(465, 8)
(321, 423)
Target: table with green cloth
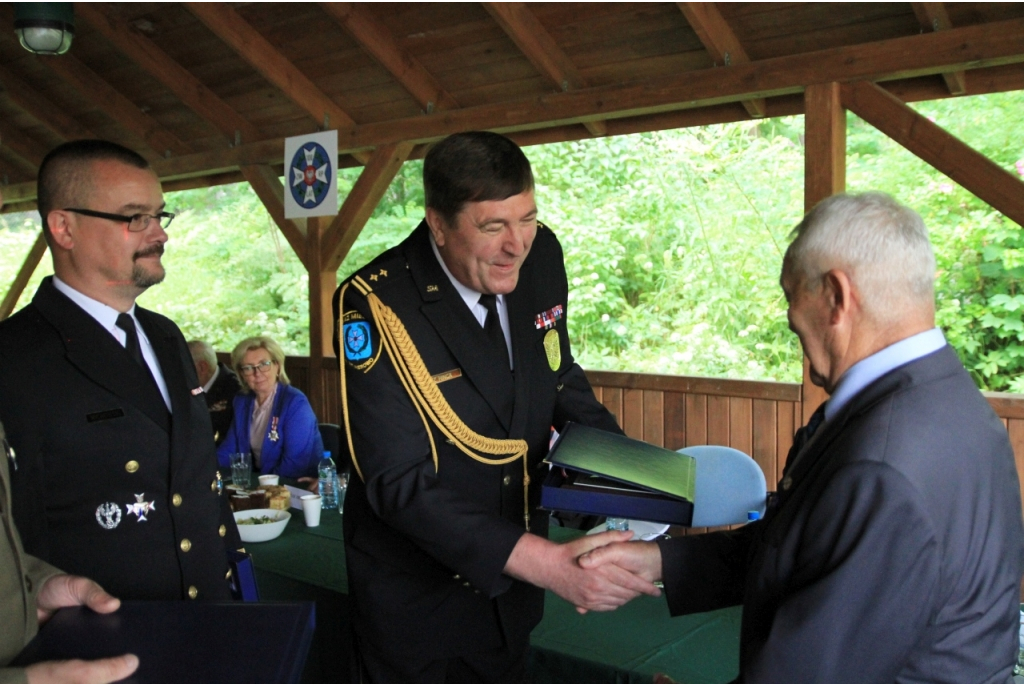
(625, 646)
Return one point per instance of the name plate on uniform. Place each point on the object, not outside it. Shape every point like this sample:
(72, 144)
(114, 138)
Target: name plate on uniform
(605, 474)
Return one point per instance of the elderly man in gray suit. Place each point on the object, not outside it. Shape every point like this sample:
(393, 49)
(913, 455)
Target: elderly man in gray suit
(895, 548)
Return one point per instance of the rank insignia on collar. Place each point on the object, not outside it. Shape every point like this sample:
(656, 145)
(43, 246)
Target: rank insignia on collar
(108, 515)
(548, 319)
(141, 507)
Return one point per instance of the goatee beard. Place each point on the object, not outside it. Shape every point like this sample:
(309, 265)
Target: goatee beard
(140, 277)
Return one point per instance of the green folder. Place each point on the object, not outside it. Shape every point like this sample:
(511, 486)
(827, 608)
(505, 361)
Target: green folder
(634, 462)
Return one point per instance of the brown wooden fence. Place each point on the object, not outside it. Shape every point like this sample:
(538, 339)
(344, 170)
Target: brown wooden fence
(756, 417)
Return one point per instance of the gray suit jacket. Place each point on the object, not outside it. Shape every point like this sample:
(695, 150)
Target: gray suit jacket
(894, 554)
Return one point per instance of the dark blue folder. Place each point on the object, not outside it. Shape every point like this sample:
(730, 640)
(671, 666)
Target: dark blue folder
(186, 641)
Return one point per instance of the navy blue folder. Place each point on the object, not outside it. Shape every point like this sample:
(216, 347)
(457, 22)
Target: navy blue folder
(186, 641)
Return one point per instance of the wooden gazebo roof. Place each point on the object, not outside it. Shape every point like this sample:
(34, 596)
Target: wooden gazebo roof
(208, 92)
(203, 89)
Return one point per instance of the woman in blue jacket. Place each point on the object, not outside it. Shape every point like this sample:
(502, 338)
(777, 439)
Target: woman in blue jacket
(273, 420)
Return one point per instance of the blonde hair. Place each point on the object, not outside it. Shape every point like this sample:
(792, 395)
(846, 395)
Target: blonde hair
(264, 342)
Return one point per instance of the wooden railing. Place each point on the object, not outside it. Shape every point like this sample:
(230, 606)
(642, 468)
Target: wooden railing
(756, 417)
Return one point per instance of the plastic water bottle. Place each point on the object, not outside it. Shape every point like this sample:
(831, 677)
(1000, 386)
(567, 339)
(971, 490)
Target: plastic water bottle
(328, 483)
(612, 523)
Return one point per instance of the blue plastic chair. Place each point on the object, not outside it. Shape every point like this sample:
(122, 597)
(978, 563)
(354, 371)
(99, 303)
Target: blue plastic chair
(729, 485)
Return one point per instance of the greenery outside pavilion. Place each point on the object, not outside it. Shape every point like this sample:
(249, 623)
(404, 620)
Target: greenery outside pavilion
(208, 91)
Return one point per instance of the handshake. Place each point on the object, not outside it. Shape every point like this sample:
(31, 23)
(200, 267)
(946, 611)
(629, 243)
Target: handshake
(596, 572)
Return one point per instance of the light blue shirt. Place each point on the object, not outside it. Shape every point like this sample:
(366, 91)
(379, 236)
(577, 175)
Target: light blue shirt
(868, 370)
(107, 318)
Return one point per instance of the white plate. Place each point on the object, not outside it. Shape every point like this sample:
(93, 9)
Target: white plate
(261, 532)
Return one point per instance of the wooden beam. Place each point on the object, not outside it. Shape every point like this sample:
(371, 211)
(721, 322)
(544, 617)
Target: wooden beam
(824, 176)
(53, 117)
(322, 282)
(374, 37)
(962, 163)
(28, 267)
(92, 88)
(22, 146)
(918, 55)
(720, 42)
(178, 80)
(361, 201)
(251, 46)
(268, 187)
(534, 41)
(933, 17)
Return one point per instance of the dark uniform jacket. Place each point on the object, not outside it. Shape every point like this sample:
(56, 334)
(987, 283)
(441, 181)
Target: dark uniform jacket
(219, 401)
(426, 547)
(109, 484)
(894, 553)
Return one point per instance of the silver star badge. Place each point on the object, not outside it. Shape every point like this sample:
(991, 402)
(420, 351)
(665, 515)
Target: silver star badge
(141, 507)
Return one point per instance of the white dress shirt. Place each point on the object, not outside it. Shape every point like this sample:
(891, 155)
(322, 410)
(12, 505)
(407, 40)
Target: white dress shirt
(107, 318)
(472, 300)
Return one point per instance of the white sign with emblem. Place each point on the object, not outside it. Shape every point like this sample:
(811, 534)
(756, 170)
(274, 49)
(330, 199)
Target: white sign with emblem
(311, 175)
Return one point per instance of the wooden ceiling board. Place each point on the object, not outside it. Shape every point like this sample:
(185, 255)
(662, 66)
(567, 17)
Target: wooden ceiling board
(969, 13)
(664, 65)
(513, 90)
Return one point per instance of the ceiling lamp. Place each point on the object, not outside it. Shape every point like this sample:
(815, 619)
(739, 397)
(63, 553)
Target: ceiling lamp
(44, 28)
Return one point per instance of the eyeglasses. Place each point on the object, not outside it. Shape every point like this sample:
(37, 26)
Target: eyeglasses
(263, 367)
(136, 222)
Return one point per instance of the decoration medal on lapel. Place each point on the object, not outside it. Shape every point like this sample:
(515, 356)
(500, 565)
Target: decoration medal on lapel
(273, 434)
(547, 321)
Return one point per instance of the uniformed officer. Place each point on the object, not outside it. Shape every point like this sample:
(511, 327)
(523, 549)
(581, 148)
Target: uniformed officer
(116, 474)
(456, 365)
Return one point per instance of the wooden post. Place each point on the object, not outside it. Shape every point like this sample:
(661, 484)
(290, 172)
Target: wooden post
(824, 175)
(28, 267)
(322, 283)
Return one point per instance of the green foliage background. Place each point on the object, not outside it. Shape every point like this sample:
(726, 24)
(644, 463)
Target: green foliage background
(673, 244)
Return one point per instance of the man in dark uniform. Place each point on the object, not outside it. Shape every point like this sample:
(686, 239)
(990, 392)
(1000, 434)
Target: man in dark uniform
(457, 365)
(220, 385)
(116, 474)
(895, 550)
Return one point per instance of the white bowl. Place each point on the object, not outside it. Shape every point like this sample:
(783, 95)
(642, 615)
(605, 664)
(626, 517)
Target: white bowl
(261, 532)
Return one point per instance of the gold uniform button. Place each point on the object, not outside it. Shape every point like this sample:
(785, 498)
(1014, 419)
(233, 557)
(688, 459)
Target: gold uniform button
(192, 592)
(186, 544)
(132, 466)
(176, 500)
(223, 530)
(506, 480)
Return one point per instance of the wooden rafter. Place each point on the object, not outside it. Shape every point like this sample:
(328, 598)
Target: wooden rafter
(28, 267)
(190, 90)
(962, 163)
(690, 99)
(28, 99)
(251, 46)
(22, 146)
(933, 17)
(918, 55)
(375, 38)
(537, 45)
(720, 42)
(92, 88)
(268, 187)
(362, 200)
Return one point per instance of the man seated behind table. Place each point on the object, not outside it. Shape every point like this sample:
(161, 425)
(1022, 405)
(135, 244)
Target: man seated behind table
(220, 385)
(894, 552)
(273, 419)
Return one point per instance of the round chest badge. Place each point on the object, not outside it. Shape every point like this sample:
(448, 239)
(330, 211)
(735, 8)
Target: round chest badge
(311, 175)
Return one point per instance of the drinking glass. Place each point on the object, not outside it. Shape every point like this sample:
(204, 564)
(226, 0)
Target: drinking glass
(241, 469)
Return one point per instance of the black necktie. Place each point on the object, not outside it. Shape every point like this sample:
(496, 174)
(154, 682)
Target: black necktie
(131, 345)
(492, 326)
